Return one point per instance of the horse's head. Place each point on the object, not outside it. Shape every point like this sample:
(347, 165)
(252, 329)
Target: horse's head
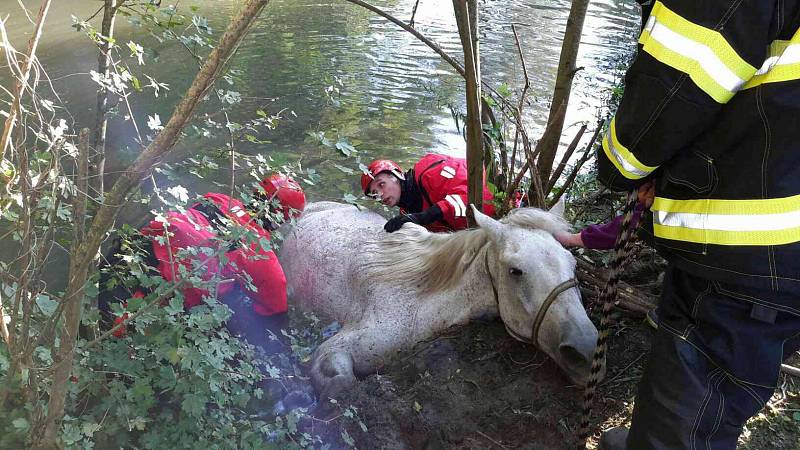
(526, 265)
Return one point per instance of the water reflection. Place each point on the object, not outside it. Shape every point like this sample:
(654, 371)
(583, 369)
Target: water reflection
(395, 91)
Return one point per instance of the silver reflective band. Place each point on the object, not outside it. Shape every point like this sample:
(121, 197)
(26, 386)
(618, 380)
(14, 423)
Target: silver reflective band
(448, 172)
(622, 161)
(458, 205)
(726, 222)
(697, 52)
(791, 55)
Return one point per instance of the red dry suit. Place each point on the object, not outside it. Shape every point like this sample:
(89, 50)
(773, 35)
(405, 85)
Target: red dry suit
(195, 229)
(442, 181)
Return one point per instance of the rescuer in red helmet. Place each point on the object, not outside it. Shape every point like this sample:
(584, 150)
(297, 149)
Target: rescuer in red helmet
(285, 195)
(252, 282)
(432, 194)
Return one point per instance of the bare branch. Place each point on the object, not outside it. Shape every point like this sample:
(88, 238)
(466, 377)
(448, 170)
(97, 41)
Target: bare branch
(587, 154)
(22, 82)
(413, 14)
(565, 158)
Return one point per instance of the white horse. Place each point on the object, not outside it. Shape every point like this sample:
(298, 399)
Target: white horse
(390, 291)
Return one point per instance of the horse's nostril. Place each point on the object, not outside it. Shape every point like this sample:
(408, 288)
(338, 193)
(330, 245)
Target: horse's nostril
(573, 358)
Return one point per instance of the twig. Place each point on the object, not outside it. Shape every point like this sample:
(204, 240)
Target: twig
(22, 82)
(565, 158)
(490, 439)
(790, 370)
(413, 14)
(548, 129)
(524, 68)
(587, 154)
(623, 370)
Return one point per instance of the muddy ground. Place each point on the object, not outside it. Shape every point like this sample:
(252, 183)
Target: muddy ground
(476, 387)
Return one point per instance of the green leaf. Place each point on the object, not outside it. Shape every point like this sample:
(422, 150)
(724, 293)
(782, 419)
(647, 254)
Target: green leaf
(796, 416)
(194, 405)
(43, 354)
(345, 147)
(91, 290)
(347, 439)
(350, 198)
(504, 90)
(89, 428)
(46, 304)
(174, 307)
(137, 85)
(71, 434)
(20, 423)
(344, 169)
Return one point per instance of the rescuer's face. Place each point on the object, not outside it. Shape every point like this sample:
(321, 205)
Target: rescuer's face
(385, 188)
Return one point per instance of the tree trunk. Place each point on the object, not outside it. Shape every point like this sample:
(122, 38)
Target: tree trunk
(101, 120)
(83, 256)
(468, 33)
(563, 87)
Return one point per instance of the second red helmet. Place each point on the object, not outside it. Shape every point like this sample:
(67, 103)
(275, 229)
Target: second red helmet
(378, 166)
(288, 192)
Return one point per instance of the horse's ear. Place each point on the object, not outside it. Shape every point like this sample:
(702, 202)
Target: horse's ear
(487, 223)
(558, 208)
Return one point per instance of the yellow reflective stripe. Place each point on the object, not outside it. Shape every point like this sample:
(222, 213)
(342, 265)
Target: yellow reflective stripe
(782, 64)
(700, 52)
(687, 65)
(774, 221)
(718, 237)
(621, 157)
(729, 207)
(777, 74)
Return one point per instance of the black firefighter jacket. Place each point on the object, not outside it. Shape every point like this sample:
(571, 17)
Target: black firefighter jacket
(711, 110)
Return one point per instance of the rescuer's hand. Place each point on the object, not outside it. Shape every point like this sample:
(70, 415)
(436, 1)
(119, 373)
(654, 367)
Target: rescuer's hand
(647, 193)
(430, 215)
(395, 223)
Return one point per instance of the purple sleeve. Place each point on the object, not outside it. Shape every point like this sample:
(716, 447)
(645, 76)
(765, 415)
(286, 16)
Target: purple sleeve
(602, 236)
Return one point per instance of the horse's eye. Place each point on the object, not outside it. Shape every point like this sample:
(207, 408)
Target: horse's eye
(515, 272)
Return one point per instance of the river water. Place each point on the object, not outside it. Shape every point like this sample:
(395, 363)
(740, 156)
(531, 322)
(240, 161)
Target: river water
(396, 95)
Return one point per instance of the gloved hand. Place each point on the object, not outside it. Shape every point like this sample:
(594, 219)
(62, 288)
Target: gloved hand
(395, 223)
(430, 215)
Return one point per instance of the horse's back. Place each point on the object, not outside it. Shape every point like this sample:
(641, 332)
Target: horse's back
(318, 256)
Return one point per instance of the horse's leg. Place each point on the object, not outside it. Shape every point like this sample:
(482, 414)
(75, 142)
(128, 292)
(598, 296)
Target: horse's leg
(332, 367)
(359, 351)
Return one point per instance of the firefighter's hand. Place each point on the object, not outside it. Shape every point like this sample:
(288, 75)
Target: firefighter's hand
(395, 223)
(647, 192)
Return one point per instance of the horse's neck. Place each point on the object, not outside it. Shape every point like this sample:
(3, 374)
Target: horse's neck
(473, 297)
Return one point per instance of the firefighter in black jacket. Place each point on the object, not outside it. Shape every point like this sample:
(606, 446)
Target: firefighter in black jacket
(711, 111)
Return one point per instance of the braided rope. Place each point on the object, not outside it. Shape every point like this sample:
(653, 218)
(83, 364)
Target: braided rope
(622, 252)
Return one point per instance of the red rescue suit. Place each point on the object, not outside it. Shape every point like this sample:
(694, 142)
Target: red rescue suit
(442, 181)
(194, 229)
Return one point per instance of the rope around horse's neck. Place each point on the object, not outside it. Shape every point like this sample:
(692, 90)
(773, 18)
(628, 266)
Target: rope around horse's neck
(622, 251)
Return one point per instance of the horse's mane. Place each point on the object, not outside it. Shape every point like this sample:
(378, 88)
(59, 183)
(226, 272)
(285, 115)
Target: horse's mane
(433, 262)
(536, 219)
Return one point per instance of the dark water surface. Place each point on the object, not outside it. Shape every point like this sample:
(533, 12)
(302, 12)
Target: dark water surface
(395, 92)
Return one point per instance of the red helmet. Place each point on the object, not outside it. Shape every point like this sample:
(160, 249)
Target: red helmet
(290, 195)
(378, 166)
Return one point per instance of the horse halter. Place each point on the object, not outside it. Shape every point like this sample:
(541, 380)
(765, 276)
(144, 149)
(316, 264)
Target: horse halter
(537, 321)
